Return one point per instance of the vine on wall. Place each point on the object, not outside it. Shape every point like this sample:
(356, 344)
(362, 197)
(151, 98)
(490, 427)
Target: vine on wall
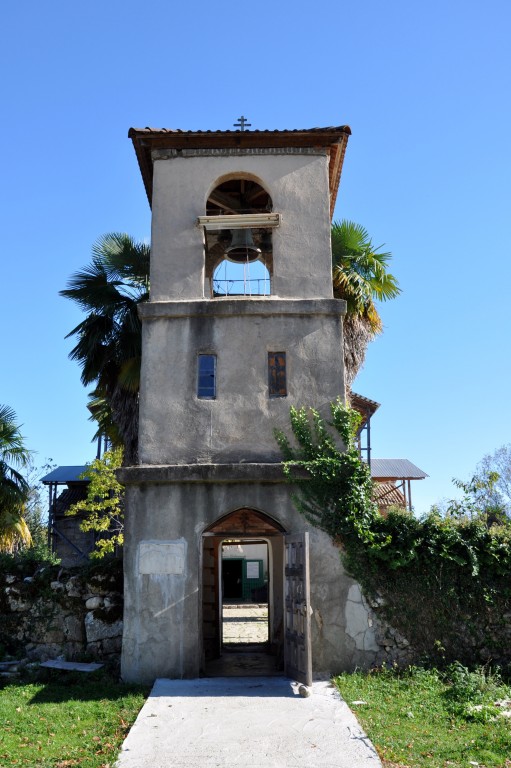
(442, 581)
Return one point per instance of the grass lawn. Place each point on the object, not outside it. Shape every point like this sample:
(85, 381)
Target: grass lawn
(69, 720)
(424, 718)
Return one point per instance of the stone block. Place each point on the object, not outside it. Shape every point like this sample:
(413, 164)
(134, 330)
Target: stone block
(93, 602)
(111, 645)
(95, 629)
(44, 651)
(74, 586)
(73, 629)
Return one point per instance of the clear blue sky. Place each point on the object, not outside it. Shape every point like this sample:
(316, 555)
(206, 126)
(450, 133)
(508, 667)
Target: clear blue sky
(425, 88)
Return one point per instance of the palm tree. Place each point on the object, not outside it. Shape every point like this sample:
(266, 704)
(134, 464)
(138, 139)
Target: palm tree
(14, 489)
(360, 276)
(109, 346)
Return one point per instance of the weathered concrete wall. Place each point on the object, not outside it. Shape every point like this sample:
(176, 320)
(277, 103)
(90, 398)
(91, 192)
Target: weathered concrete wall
(178, 427)
(162, 613)
(203, 459)
(297, 181)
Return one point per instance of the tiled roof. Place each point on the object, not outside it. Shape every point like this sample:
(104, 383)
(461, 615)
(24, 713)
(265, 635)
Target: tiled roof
(386, 494)
(331, 129)
(395, 469)
(363, 405)
(68, 497)
(332, 138)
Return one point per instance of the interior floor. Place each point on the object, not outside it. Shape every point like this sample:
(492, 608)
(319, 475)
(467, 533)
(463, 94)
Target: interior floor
(245, 648)
(252, 661)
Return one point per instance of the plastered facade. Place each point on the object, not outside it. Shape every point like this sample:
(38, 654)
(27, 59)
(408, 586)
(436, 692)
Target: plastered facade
(203, 459)
(163, 623)
(298, 186)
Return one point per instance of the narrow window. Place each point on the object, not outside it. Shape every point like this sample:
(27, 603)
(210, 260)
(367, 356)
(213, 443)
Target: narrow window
(206, 377)
(277, 374)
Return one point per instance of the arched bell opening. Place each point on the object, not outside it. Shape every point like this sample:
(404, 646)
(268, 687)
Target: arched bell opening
(238, 260)
(250, 278)
(242, 595)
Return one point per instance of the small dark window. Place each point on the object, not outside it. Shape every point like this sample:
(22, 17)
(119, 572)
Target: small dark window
(277, 374)
(206, 378)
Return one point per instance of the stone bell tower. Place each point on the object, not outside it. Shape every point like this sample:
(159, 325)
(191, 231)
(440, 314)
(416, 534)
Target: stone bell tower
(241, 325)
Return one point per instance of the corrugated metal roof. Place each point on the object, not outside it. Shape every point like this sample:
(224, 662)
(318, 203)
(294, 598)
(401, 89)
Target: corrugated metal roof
(65, 475)
(395, 469)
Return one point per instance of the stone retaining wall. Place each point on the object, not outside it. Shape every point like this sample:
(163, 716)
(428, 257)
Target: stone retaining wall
(60, 613)
(370, 633)
(77, 615)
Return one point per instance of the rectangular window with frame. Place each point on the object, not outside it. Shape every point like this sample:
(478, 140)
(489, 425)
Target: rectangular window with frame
(277, 386)
(206, 377)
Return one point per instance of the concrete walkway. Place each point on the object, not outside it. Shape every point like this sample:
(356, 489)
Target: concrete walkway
(245, 723)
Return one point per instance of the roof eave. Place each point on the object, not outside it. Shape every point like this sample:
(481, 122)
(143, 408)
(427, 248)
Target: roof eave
(334, 139)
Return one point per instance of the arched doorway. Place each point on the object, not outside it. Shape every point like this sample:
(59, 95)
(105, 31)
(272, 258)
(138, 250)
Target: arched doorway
(236, 572)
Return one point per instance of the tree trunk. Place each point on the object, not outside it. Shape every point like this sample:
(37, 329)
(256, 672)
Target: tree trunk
(124, 407)
(357, 335)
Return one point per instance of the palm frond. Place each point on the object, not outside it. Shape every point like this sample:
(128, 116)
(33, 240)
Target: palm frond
(13, 530)
(109, 339)
(360, 277)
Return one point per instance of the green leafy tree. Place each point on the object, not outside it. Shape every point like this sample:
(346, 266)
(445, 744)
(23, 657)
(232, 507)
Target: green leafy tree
(496, 465)
(109, 345)
(104, 503)
(14, 489)
(360, 276)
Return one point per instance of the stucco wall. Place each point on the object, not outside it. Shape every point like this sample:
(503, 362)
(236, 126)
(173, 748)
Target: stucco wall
(178, 427)
(297, 182)
(205, 458)
(162, 612)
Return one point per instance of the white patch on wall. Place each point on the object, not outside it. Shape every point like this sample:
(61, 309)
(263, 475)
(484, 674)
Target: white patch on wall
(155, 557)
(359, 624)
(252, 569)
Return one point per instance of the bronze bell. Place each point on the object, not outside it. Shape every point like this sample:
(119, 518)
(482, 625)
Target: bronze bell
(242, 248)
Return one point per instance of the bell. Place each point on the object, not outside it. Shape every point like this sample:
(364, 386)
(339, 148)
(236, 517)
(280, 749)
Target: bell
(242, 247)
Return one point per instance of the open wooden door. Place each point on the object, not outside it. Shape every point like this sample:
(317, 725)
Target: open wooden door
(297, 638)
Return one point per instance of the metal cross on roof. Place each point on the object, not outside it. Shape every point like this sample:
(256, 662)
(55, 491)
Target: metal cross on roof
(242, 122)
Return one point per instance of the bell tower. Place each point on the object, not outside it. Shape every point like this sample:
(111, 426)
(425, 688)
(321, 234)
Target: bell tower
(241, 325)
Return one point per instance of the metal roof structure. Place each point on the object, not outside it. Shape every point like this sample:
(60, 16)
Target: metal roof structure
(395, 469)
(64, 475)
(332, 139)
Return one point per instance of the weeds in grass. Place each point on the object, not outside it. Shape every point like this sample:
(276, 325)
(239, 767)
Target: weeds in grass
(475, 694)
(429, 718)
